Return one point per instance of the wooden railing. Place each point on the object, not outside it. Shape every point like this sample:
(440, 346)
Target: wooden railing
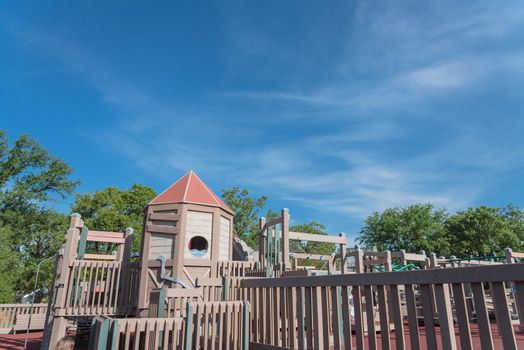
(207, 325)
(101, 287)
(231, 268)
(315, 312)
(8, 313)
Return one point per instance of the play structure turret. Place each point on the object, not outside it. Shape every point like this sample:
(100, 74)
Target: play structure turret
(187, 230)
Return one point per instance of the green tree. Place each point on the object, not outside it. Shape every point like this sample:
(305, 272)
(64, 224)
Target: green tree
(246, 209)
(113, 209)
(30, 180)
(414, 228)
(485, 231)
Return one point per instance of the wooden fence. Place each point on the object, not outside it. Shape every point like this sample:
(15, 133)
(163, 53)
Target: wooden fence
(315, 312)
(207, 325)
(231, 268)
(9, 312)
(101, 287)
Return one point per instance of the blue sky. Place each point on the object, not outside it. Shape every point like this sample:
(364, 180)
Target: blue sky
(332, 109)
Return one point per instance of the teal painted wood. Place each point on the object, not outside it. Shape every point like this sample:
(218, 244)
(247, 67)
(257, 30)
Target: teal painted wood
(92, 334)
(161, 307)
(114, 335)
(189, 325)
(99, 334)
(245, 330)
(225, 288)
(82, 243)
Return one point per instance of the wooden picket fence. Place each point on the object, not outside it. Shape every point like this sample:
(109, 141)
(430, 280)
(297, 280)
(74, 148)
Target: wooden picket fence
(171, 302)
(231, 268)
(315, 312)
(207, 325)
(9, 313)
(101, 287)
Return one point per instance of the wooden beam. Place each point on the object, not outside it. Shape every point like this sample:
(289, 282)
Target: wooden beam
(164, 217)
(482, 274)
(300, 236)
(163, 229)
(99, 257)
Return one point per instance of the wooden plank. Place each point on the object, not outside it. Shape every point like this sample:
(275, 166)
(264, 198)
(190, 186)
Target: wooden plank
(411, 306)
(500, 302)
(492, 273)
(300, 316)
(519, 298)
(370, 315)
(100, 257)
(300, 236)
(105, 239)
(486, 338)
(384, 320)
(164, 217)
(309, 318)
(346, 317)
(163, 229)
(359, 326)
(335, 315)
(445, 316)
(429, 316)
(459, 297)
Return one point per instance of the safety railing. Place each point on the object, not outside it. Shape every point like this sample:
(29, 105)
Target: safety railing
(346, 311)
(9, 312)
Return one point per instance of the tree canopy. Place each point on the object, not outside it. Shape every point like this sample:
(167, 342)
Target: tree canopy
(113, 209)
(246, 209)
(30, 231)
(470, 233)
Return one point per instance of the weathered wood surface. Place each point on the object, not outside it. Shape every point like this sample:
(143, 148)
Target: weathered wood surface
(206, 325)
(324, 308)
(9, 313)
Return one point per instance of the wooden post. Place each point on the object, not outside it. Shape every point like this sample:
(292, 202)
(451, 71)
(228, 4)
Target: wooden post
(508, 252)
(285, 239)
(189, 326)
(225, 288)
(262, 242)
(433, 262)
(58, 323)
(82, 243)
(359, 260)
(342, 248)
(245, 328)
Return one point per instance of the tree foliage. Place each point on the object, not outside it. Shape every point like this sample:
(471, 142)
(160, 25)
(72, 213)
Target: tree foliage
(30, 179)
(485, 231)
(246, 209)
(414, 228)
(473, 232)
(113, 209)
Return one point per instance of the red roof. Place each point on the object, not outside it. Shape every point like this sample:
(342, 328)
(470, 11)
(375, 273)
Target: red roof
(190, 189)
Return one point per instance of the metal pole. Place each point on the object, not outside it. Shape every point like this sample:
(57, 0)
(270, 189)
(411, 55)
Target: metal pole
(33, 300)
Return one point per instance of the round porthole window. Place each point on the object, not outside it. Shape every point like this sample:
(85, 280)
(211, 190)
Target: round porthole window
(198, 246)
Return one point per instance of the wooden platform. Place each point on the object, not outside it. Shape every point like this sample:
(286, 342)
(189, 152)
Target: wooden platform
(16, 341)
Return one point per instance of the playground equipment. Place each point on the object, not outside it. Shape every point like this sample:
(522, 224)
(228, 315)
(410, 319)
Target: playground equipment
(185, 292)
(274, 246)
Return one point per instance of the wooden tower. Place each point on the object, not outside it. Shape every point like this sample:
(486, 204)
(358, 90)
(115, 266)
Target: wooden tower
(187, 229)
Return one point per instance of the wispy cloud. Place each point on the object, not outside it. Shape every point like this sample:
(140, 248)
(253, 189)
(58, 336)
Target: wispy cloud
(364, 121)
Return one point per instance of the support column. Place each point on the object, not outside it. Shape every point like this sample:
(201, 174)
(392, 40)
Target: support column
(262, 242)
(342, 248)
(58, 323)
(285, 239)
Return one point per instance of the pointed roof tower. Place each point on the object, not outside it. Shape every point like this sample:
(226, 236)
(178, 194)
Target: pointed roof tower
(190, 189)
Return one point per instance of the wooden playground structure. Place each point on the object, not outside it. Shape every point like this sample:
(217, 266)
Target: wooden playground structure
(186, 292)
